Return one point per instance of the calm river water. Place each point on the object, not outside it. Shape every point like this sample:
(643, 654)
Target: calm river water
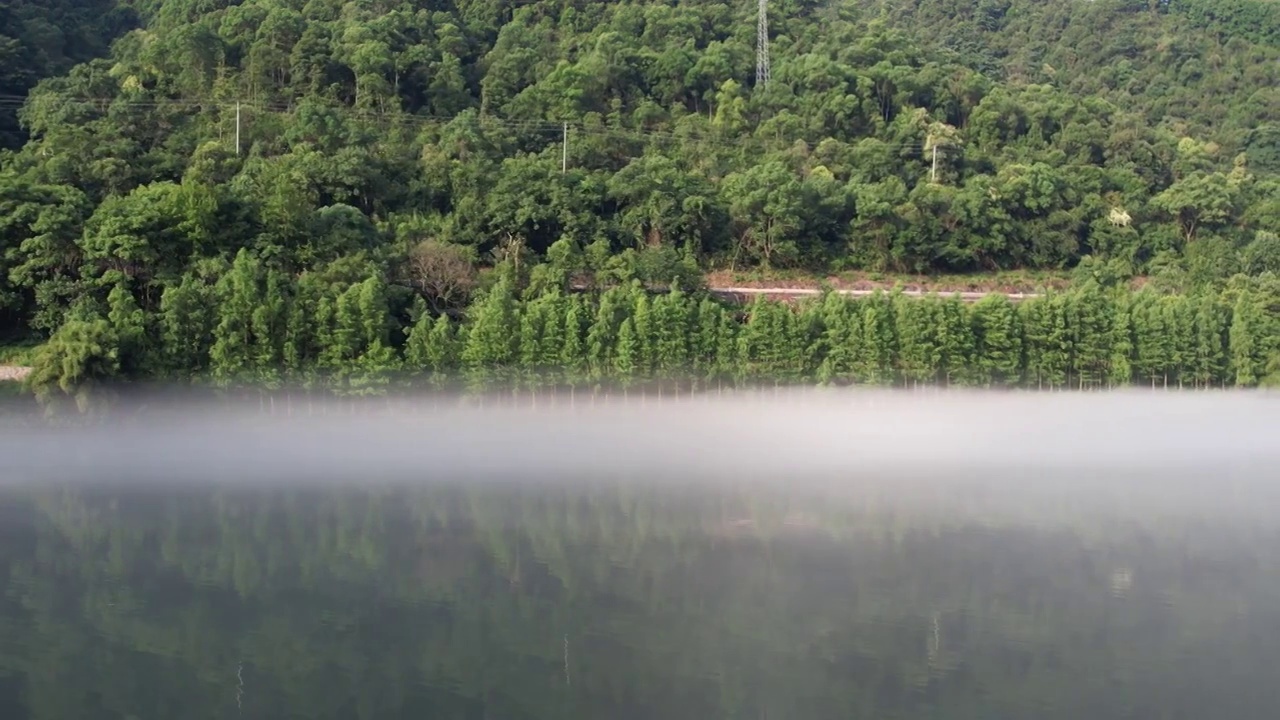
(1059, 593)
(618, 600)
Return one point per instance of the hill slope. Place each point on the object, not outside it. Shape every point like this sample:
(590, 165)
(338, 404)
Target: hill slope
(392, 138)
(1201, 67)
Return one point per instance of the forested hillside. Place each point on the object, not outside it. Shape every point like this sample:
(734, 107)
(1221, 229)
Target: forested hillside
(228, 164)
(1204, 68)
(41, 38)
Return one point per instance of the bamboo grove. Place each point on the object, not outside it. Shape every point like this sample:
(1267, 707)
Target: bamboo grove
(360, 335)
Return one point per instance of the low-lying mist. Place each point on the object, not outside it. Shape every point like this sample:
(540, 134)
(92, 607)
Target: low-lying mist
(835, 436)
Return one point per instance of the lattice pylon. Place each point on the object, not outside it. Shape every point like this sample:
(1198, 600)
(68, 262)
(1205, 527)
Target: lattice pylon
(762, 44)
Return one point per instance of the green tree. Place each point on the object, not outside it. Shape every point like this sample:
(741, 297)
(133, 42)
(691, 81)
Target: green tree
(491, 347)
(997, 341)
(626, 356)
(919, 352)
(1248, 340)
(78, 360)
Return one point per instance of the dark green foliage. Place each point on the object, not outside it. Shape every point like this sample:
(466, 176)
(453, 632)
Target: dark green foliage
(1253, 339)
(1257, 20)
(834, 346)
(1047, 343)
(1178, 63)
(265, 191)
(82, 355)
(492, 343)
(919, 342)
(41, 38)
(255, 325)
(1091, 316)
(1084, 338)
(997, 340)
(874, 355)
(955, 342)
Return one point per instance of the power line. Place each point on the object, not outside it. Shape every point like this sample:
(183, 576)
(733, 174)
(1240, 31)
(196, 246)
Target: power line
(405, 120)
(422, 120)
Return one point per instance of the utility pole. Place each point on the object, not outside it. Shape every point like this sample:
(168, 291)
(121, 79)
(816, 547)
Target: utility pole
(762, 44)
(564, 151)
(237, 128)
(933, 174)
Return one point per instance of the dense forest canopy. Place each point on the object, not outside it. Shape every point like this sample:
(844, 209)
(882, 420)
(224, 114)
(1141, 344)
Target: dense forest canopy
(43, 38)
(403, 144)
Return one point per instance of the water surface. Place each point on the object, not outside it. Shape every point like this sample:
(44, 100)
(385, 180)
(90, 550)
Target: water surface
(984, 591)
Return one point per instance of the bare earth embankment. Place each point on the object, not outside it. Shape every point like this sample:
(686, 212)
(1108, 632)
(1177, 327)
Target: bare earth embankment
(744, 286)
(14, 372)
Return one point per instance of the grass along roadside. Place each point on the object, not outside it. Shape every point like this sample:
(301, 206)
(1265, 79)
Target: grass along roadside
(19, 352)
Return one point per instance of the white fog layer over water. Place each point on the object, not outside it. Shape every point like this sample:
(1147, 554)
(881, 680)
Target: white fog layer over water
(1222, 437)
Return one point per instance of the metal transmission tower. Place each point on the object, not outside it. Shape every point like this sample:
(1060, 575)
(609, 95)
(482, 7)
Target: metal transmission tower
(762, 44)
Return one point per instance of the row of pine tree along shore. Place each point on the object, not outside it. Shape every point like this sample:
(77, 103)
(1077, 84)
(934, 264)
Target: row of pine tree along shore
(359, 334)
